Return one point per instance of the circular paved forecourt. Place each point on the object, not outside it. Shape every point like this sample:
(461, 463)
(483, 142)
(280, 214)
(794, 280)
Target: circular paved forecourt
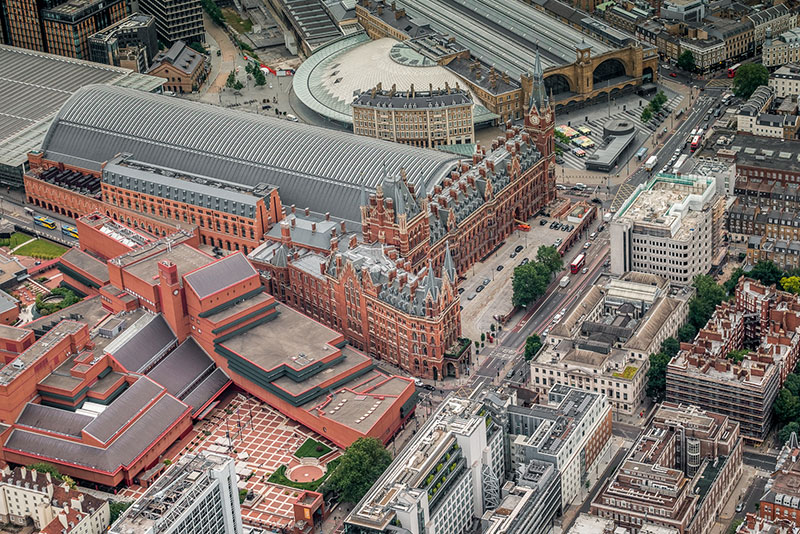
(305, 473)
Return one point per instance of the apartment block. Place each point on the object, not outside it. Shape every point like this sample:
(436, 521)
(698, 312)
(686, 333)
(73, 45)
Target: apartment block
(762, 321)
(130, 43)
(671, 226)
(176, 20)
(781, 500)
(603, 343)
(679, 473)
(572, 432)
(458, 467)
(781, 50)
(441, 116)
(27, 496)
(197, 494)
(68, 25)
(785, 81)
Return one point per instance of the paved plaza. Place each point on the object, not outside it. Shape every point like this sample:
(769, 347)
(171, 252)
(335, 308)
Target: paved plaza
(261, 440)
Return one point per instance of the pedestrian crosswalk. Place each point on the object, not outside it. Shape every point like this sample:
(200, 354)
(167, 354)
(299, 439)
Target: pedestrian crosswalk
(633, 115)
(720, 82)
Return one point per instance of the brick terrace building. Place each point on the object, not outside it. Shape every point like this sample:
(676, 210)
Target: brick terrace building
(104, 393)
(781, 502)
(53, 507)
(679, 473)
(763, 320)
(184, 68)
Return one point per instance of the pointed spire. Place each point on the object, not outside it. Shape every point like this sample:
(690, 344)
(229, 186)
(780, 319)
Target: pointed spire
(430, 282)
(537, 86)
(448, 267)
(793, 441)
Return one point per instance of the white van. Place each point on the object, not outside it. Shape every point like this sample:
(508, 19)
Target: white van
(292, 118)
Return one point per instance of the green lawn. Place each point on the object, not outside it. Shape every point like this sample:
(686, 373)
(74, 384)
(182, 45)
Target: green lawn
(279, 477)
(233, 18)
(17, 238)
(42, 249)
(312, 449)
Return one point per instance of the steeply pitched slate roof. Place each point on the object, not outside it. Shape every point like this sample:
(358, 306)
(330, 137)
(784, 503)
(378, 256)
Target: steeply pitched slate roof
(181, 367)
(121, 452)
(216, 276)
(53, 420)
(125, 408)
(145, 339)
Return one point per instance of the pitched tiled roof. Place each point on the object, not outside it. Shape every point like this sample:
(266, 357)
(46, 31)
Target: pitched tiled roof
(216, 276)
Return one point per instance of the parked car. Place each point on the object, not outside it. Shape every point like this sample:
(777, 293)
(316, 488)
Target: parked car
(525, 261)
(460, 290)
(593, 235)
(542, 222)
(486, 281)
(499, 267)
(673, 75)
(739, 507)
(472, 296)
(519, 248)
(479, 289)
(513, 254)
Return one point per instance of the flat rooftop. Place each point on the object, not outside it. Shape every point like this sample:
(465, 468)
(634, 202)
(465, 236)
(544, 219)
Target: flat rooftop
(290, 339)
(185, 257)
(41, 347)
(766, 152)
(34, 85)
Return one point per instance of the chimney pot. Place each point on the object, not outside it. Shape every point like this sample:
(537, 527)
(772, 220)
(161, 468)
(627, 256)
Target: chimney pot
(308, 211)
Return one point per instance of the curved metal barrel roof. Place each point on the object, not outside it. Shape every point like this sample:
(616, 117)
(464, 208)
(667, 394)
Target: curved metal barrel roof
(313, 167)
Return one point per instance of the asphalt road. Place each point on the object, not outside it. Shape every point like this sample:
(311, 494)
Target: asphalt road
(12, 211)
(677, 141)
(761, 461)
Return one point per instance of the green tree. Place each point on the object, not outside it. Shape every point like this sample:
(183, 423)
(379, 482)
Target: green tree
(766, 272)
(792, 383)
(360, 466)
(785, 433)
(258, 76)
(661, 98)
(532, 346)
(735, 526)
(647, 114)
(238, 85)
(116, 508)
(655, 105)
(791, 284)
(686, 61)
(670, 346)
(231, 81)
(748, 77)
(730, 283)
(737, 355)
(44, 467)
(550, 257)
(657, 376)
(686, 333)
(529, 283)
(709, 295)
(198, 47)
(214, 12)
(786, 406)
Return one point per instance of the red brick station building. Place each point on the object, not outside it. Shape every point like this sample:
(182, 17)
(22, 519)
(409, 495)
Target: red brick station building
(364, 236)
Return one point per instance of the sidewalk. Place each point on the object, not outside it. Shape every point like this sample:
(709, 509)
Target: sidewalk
(728, 510)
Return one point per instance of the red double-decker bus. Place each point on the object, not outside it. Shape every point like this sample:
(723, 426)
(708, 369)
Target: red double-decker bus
(732, 70)
(577, 263)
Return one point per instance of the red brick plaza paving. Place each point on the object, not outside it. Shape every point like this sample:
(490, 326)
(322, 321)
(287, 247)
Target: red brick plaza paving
(260, 447)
